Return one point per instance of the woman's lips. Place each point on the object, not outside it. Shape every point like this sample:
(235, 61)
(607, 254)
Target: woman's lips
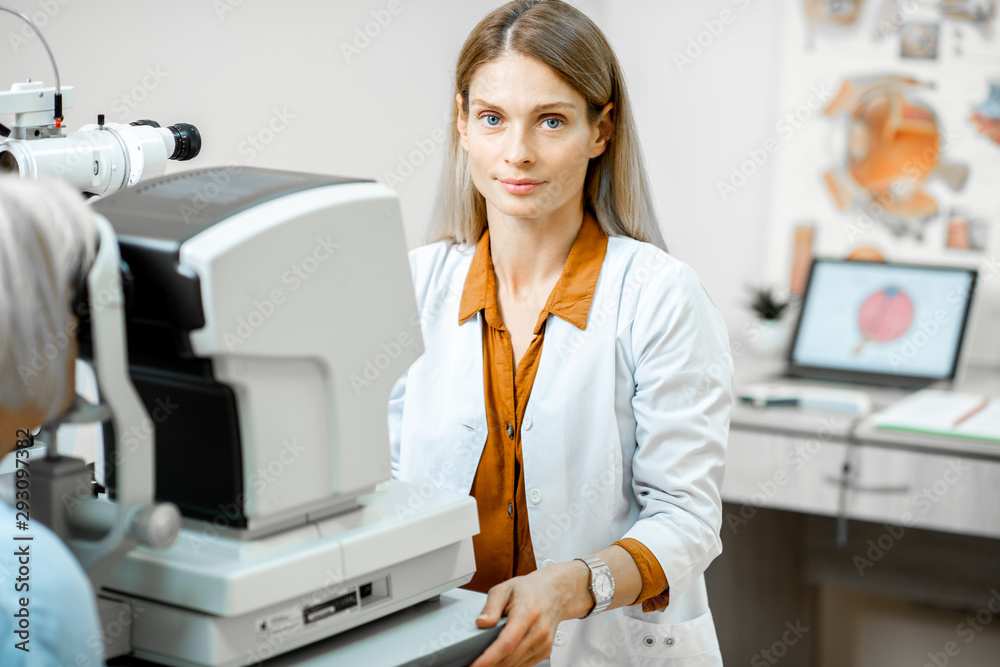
(519, 186)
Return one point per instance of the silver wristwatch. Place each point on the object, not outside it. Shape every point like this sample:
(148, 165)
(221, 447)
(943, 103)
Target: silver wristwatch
(602, 584)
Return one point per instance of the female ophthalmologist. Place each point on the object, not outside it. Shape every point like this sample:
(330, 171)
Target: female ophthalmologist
(576, 378)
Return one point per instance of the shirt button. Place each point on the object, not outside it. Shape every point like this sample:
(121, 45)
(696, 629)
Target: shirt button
(648, 641)
(510, 510)
(526, 424)
(560, 638)
(548, 562)
(535, 496)
(669, 641)
(510, 431)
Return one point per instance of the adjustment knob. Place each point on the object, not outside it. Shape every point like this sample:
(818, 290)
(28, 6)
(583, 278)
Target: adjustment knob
(156, 525)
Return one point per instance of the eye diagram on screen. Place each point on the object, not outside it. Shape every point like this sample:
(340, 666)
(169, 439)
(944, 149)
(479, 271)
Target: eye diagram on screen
(883, 317)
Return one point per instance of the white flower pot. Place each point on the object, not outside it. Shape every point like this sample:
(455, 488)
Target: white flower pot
(770, 337)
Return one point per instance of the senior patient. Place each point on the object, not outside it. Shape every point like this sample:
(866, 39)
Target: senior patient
(48, 614)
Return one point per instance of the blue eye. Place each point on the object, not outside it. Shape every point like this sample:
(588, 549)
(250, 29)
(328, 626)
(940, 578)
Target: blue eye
(548, 123)
(490, 117)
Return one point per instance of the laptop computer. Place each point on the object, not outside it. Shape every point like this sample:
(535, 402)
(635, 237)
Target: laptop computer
(893, 325)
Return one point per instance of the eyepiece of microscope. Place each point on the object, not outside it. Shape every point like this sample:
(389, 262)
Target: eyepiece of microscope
(187, 141)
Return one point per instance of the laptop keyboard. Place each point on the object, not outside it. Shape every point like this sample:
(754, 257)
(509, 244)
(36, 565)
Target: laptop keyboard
(881, 396)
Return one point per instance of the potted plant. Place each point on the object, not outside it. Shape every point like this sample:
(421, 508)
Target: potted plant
(768, 305)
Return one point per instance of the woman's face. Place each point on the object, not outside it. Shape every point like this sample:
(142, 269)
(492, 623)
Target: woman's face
(528, 138)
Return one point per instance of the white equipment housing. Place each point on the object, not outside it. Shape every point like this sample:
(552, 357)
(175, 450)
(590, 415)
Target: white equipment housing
(269, 315)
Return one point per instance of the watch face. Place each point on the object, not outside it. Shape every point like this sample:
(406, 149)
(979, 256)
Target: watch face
(602, 586)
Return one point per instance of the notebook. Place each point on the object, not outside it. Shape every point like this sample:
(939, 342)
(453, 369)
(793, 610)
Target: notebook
(944, 413)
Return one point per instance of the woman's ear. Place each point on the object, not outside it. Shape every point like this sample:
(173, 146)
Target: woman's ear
(462, 126)
(605, 128)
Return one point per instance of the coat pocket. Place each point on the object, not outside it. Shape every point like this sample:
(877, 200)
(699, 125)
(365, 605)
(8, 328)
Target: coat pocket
(691, 643)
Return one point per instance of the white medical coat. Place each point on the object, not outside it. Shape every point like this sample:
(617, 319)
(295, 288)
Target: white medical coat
(624, 435)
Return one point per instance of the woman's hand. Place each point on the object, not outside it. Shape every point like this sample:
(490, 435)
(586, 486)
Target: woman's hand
(534, 604)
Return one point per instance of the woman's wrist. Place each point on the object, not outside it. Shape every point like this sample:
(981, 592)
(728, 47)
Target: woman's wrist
(574, 578)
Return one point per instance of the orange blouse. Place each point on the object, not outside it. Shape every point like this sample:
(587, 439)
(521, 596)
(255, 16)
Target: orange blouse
(503, 546)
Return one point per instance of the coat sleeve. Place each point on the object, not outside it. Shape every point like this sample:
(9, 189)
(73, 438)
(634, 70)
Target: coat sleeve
(398, 393)
(682, 403)
(396, 420)
(424, 262)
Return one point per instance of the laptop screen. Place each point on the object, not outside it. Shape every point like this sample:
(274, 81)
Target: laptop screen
(883, 323)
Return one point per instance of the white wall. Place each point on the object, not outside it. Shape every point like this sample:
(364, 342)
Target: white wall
(697, 119)
(232, 67)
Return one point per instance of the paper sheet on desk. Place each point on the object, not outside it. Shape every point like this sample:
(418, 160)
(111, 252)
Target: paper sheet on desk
(935, 411)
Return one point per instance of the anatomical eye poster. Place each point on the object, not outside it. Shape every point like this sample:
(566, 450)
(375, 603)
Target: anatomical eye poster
(889, 117)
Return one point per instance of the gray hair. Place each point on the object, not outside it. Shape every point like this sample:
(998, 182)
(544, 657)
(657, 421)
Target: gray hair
(46, 237)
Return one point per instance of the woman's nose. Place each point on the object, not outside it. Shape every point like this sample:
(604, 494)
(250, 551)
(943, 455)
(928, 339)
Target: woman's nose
(518, 150)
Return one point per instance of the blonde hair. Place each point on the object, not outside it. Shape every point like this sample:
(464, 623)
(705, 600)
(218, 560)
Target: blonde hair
(616, 189)
(46, 238)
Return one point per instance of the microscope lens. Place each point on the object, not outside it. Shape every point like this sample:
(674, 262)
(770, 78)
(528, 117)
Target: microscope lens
(8, 163)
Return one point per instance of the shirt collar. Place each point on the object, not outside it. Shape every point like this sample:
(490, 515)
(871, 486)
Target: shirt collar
(570, 298)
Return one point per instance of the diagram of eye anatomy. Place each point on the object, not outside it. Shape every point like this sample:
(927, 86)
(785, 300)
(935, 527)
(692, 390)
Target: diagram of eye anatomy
(893, 148)
(884, 316)
(897, 161)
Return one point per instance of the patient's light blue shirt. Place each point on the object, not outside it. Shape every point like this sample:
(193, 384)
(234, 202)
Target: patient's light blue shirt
(62, 612)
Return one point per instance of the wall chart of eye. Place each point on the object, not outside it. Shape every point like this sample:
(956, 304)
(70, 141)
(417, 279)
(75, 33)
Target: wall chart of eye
(894, 146)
